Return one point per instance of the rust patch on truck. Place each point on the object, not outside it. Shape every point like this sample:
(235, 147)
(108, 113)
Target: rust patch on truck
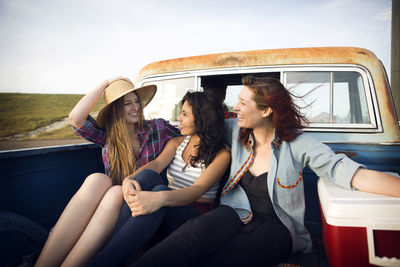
(292, 56)
(269, 57)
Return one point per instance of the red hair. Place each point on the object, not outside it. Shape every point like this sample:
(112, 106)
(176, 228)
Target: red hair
(286, 116)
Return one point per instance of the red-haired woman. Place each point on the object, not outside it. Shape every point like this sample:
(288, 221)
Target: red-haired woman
(260, 221)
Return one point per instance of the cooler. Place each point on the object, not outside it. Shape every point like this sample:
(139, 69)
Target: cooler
(359, 228)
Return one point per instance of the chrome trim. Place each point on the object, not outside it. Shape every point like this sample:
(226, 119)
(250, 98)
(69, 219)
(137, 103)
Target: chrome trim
(331, 95)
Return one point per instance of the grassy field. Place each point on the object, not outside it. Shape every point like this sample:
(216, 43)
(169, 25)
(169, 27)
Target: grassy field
(21, 113)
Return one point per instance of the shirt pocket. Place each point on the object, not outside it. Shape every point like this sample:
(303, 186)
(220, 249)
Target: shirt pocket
(289, 189)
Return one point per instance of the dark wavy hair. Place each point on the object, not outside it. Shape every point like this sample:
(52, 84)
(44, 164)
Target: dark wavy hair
(209, 122)
(286, 116)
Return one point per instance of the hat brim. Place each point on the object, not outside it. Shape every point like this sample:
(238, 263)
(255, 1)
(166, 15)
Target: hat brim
(145, 94)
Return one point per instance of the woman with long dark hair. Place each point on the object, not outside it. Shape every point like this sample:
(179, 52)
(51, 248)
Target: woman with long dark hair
(260, 219)
(196, 162)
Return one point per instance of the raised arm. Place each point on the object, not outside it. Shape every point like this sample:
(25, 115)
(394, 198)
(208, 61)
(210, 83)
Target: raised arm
(82, 109)
(376, 182)
(152, 201)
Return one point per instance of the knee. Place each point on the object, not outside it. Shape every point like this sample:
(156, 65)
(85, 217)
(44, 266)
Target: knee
(113, 198)
(147, 174)
(160, 187)
(97, 183)
(148, 179)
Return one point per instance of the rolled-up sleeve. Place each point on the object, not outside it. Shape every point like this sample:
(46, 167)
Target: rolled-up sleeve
(91, 132)
(324, 161)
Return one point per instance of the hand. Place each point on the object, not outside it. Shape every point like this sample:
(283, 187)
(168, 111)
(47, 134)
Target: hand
(118, 78)
(129, 187)
(107, 82)
(144, 202)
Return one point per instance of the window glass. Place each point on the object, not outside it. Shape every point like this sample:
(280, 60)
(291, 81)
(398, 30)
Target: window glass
(330, 97)
(341, 104)
(312, 91)
(166, 102)
(349, 102)
(232, 94)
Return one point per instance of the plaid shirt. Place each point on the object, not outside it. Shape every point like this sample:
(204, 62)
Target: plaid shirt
(152, 139)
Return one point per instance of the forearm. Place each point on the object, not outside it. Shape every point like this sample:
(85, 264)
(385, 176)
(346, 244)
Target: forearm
(82, 109)
(376, 182)
(180, 197)
(211, 176)
(152, 165)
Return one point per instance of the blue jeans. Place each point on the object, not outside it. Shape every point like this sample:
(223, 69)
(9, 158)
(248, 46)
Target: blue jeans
(131, 233)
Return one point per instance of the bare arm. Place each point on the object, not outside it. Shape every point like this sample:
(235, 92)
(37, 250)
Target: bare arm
(376, 182)
(129, 185)
(148, 202)
(81, 111)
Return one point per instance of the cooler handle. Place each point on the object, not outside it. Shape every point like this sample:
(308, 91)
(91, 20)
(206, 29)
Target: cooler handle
(373, 259)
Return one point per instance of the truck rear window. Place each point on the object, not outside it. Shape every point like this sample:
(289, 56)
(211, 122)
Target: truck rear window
(330, 97)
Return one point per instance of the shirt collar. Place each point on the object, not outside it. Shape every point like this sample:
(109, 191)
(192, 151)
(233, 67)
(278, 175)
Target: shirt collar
(276, 141)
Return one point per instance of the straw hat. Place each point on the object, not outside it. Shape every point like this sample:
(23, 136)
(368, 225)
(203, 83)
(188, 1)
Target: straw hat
(120, 88)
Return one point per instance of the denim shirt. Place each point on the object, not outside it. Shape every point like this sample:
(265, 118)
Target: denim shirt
(285, 183)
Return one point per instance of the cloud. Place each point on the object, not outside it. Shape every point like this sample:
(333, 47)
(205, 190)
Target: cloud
(385, 14)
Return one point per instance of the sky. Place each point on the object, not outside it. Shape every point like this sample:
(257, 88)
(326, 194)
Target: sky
(70, 46)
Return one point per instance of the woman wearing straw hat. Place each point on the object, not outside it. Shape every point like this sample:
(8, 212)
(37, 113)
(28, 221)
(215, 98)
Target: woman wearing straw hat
(128, 142)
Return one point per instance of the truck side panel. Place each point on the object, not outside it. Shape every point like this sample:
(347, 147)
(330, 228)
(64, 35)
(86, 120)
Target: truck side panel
(35, 186)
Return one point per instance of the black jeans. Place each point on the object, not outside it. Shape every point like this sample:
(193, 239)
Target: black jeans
(218, 238)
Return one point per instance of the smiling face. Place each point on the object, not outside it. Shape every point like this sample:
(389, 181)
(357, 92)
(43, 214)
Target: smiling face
(186, 120)
(248, 115)
(131, 108)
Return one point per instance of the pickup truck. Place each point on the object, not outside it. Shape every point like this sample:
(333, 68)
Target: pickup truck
(344, 91)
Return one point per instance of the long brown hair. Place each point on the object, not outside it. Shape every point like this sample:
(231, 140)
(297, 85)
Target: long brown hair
(286, 116)
(121, 155)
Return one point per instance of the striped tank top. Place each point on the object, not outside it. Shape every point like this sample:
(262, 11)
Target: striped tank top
(181, 175)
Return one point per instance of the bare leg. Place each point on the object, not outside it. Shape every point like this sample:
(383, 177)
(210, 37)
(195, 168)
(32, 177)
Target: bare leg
(74, 220)
(99, 229)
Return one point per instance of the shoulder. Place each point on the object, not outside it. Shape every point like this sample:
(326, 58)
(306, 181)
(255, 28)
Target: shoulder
(176, 141)
(158, 124)
(154, 123)
(307, 146)
(224, 152)
(304, 139)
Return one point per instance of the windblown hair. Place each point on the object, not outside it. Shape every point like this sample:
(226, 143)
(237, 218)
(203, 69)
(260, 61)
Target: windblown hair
(286, 116)
(121, 154)
(209, 122)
